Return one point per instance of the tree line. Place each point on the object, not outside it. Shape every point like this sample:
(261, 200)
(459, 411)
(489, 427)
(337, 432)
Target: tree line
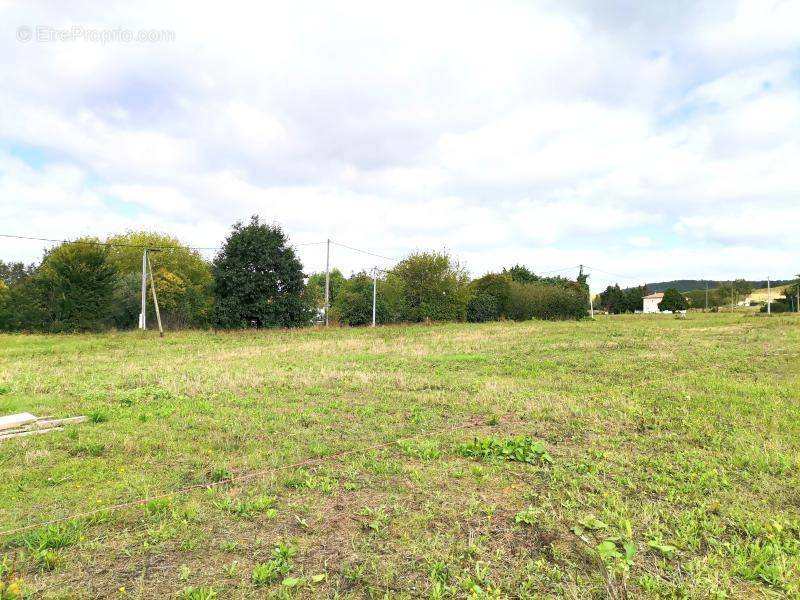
(615, 300)
(257, 280)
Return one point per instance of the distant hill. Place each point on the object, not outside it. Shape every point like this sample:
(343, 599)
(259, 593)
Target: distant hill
(688, 285)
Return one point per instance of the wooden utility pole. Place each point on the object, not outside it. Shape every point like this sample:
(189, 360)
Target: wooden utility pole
(155, 299)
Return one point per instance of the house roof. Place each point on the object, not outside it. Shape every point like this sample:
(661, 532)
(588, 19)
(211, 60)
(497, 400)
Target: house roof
(656, 296)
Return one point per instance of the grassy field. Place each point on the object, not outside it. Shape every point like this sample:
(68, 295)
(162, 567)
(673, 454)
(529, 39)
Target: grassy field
(633, 456)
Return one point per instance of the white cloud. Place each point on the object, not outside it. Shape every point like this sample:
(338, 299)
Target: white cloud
(507, 132)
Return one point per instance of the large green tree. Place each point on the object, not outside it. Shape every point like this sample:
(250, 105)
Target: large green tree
(182, 278)
(76, 282)
(258, 279)
(741, 289)
(613, 300)
(434, 286)
(673, 300)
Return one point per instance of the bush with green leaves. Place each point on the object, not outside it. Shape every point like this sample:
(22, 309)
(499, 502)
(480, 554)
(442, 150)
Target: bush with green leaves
(434, 287)
(258, 279)
(22, 306)
(548, 302)
(482, 308)
(182, 279)
(673, 300)
(776, 306)
(496, 285)
(72, 290)
(315, 288)
(353, 305)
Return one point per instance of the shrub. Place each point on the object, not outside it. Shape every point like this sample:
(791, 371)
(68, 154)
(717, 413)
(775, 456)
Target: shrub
(482, 308)
(777, 307)
(434, 287)
(496, 285)
(72, 291)
(549, 302)
(353, 305)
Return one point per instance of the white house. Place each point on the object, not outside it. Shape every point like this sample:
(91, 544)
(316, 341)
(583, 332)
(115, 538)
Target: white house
(650, 303)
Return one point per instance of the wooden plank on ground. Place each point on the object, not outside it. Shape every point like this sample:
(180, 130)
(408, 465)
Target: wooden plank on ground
(51, 422)
(7, 436)
(14, 421)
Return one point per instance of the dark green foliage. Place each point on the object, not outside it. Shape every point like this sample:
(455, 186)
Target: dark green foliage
(258, 280)
(790, 295)
(633, 298)
(742, 288)
(483, 307)
(521, 274)
(617, 301)
(520, 449)
(612, 300)
(13, 272)
(496, 285)
(73, 290)
(673, 300)
(353, 304)
(434, 287)
(22, 306)
(550, 302)
(778, 306)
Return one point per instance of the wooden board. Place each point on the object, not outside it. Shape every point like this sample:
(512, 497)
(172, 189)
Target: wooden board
(14, 421)
(6, 436)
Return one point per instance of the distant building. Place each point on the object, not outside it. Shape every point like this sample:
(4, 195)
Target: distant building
(650, 303)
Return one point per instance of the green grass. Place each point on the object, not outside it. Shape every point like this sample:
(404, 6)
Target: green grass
(633, 456)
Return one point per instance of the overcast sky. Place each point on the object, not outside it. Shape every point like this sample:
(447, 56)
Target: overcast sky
(654, 140)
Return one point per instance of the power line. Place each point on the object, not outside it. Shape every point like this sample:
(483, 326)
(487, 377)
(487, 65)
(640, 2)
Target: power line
(124, 245)
(558, 270)
(612, 274)
(109, 244)
(365, 251)
(207, 248)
